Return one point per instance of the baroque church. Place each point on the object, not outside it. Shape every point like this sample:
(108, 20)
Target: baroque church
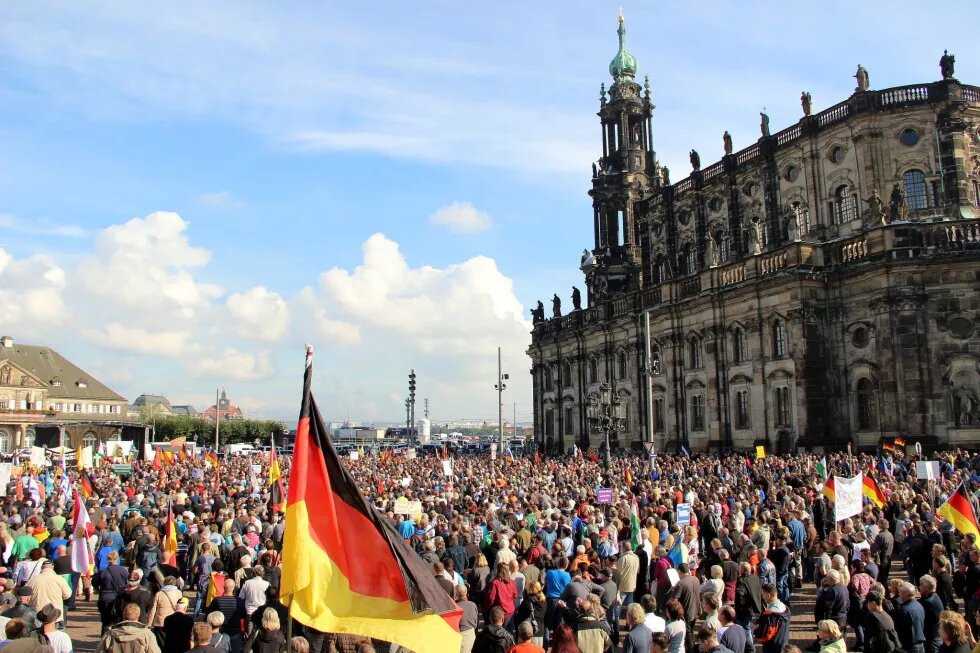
(817, 289)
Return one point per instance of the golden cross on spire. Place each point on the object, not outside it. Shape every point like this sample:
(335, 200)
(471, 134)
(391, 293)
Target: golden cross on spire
(621, 19)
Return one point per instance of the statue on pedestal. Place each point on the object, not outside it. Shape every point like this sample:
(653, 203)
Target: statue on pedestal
(946, 64)
(807, 101)
(556, 306)
(898, 207)
(876, 209)
(714, 255)
(576, 299)
(793, 226)
(695, 160)
(755, 237)
(537, 314)
(864, 83)
(764, 123)
(727, 140)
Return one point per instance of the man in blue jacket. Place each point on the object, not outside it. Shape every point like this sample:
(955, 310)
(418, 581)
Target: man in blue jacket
(909, 618)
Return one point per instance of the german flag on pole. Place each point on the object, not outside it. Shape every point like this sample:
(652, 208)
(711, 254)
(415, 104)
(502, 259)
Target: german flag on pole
(958, 510)
(85, 484)
(277, 493)
(170, 532)
(828, 489)
(345, 569)
(871, 490)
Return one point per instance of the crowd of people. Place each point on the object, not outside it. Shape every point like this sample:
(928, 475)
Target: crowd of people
(675, 555)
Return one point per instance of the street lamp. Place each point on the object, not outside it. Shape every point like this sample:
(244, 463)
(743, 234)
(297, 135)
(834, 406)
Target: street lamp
(606, 414)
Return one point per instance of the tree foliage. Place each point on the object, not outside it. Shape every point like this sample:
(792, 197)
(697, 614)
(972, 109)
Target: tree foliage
(201, 431)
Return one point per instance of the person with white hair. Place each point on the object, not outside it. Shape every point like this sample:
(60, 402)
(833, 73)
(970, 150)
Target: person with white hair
(833, 601)
(909, 617)
(505, 554)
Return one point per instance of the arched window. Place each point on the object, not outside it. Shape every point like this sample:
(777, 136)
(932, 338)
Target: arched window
(90, 440)
(916, 195)
(865, 405)
(694, 354)
(688, 263)
(845, 205)
(778, 339)
(724, 246)
(622, 364)
(782, 406)
(593, 371)
(569, 423)
(566, 374)
(739, 348)
(29, 438)
(546, 378)
(742, 419)
(697, 412)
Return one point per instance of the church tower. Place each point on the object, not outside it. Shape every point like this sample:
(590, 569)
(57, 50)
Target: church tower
(626, 173)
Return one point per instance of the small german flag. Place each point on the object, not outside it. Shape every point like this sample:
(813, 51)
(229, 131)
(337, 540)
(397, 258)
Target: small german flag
(958, 510)
(85, 484)
(212, 457)
(345, 568)
(899, 442)
(871, 490)
(887, 446)
(277, 493)
(170, 532)
(157, 460)
(828, 489)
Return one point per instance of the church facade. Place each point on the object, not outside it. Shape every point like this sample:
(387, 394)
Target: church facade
(816, 289)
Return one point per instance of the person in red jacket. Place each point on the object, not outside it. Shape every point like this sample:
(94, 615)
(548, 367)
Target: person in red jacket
(502, 592)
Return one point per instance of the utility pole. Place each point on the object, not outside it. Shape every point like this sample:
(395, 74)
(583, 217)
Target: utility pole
(411, 399)
(500, 387)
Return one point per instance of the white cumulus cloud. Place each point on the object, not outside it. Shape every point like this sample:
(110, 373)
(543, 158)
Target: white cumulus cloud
(139, 340)
(461, 217)
(234, 365)
(146, 264)
(31, 291)
(259, 314)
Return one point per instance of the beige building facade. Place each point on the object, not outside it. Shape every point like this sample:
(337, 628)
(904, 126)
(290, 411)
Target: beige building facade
(815, 289)
(38, 387)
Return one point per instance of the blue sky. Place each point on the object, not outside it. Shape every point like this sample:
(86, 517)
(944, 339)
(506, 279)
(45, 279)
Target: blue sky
(191, 191)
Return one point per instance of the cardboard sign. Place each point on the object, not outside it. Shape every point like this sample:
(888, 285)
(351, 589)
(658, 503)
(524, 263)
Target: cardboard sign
(927, 470)
(406, 507)
(683, 514)
(604, 495)
(5, 472)
(37, 457)
(354, 455)
(760, 452)
(447, 467)
(848, 493)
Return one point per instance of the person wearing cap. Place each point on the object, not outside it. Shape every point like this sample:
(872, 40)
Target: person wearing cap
(49, 617)
(48, 587)
(137, 594)
(22, 609)
(177, 629)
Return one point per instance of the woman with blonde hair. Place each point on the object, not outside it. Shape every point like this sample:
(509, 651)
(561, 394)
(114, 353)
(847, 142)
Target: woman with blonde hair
(830, 637)
(478, 578)
(268, 638)
(533, 609)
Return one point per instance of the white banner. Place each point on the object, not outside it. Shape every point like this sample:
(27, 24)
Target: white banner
(37, 457)
(847, 496)
(5, 469)
(86, 460)
(447, 467)
(927, 470)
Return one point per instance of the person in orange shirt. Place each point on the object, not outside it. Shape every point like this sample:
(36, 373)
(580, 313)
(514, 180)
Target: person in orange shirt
(524, 644)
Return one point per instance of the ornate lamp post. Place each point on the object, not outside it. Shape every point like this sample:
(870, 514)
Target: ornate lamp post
(607, 415)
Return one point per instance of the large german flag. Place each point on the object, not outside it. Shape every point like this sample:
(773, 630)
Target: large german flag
(85, 483)
(344, 568)
(958, 510)
(276, 492)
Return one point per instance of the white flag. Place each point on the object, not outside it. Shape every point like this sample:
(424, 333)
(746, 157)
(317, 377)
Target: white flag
(847, 496)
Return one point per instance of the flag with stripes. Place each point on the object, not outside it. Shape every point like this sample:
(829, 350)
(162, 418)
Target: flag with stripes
(345, 568)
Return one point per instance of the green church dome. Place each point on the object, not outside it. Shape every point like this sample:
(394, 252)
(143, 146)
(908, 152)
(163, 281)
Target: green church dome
(623, 64)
